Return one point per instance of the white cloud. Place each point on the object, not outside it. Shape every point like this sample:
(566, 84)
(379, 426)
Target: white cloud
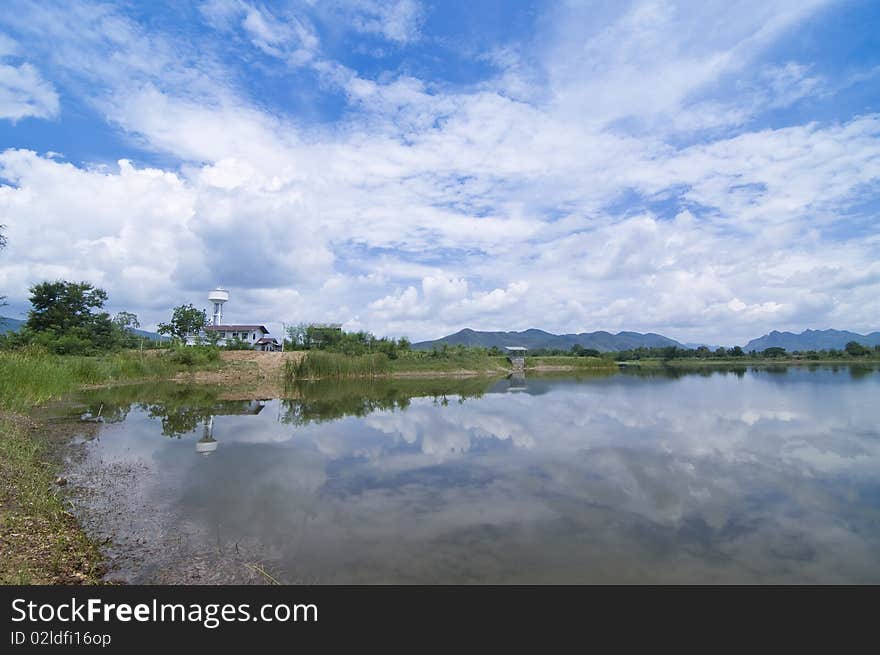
(23, 93)
(430, 209)
(396, 20)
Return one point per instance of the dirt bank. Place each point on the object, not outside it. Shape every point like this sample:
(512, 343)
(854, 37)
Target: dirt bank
(245, 373)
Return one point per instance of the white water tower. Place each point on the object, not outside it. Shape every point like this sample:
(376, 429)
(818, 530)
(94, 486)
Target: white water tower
(218, 296)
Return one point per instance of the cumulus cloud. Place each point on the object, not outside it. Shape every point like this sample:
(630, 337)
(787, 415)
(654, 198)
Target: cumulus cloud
(426, 208)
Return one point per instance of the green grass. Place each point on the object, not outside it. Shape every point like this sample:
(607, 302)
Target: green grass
(30, 376)
(579, 363)
(426, 362)
(40, 541)
(318, 364)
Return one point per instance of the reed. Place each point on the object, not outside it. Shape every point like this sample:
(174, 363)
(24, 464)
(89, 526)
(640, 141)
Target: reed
(318, 365)
(32, 376)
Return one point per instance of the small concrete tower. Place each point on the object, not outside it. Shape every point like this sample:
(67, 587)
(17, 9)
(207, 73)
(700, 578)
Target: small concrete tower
(218, 296)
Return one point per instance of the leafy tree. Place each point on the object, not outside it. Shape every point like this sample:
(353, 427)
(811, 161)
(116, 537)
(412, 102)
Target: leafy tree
(66, 317)
(124, 324)
(185, 319)
(298, 336)
(774, 351)
(126, 321)
(855, 349)
(736, 351)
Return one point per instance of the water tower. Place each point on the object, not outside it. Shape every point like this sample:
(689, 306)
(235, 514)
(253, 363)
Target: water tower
(218, 296)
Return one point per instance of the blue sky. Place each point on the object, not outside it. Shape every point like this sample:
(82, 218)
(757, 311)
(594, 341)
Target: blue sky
(708, 170)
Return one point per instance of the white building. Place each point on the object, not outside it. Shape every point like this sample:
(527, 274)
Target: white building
(255, 336)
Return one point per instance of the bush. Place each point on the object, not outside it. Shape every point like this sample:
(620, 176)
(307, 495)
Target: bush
(194, 355)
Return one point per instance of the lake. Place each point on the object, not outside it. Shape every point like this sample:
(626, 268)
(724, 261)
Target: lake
(736, 476)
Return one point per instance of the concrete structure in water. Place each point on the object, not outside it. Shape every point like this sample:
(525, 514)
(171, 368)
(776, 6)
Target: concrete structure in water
(252, 335)
(517, 357)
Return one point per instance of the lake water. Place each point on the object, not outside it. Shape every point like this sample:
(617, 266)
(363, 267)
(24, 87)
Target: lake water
(745, 476)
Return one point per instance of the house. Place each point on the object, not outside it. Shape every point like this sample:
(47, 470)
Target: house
(254, 336)
(269, 344)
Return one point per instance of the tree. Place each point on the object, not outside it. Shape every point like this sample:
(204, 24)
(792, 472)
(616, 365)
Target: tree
(298, 335)
(66, 317)
(855, 349)
(126, 321)
(775, 351)
(185, 319)
(736, 351)
(124, 324)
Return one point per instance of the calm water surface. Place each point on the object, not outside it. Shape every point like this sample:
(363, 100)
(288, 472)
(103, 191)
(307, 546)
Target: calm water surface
(748, 476)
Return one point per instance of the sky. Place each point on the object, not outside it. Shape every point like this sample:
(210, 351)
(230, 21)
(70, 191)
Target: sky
(707, 170)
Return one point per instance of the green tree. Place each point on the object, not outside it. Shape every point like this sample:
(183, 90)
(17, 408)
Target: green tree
(774, 351)
(124, 324)
(298, 335)
(126, 321)
(855, 349)
(185, 319)
(66, 317)
(736, 351)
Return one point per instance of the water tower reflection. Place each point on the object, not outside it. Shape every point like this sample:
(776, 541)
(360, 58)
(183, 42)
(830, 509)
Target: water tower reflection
(208, 444)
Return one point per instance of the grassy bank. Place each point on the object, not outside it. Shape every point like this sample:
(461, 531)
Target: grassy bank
(451, 362)
(40, 541)
(317, 364)
(32, 377)
(573, 363)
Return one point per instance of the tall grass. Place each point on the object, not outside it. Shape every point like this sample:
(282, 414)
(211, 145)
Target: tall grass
(317, 365)
(580, 363)
(32, 376)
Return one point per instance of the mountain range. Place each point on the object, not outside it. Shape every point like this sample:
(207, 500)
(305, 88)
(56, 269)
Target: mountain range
(607, 342)
(534, 339)
(812, 340)
(10, 324)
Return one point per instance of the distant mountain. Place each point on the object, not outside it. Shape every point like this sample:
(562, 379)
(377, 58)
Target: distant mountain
(14, 325)
(10, 324)
(154, 336)
(811, 340)
(534, 339)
